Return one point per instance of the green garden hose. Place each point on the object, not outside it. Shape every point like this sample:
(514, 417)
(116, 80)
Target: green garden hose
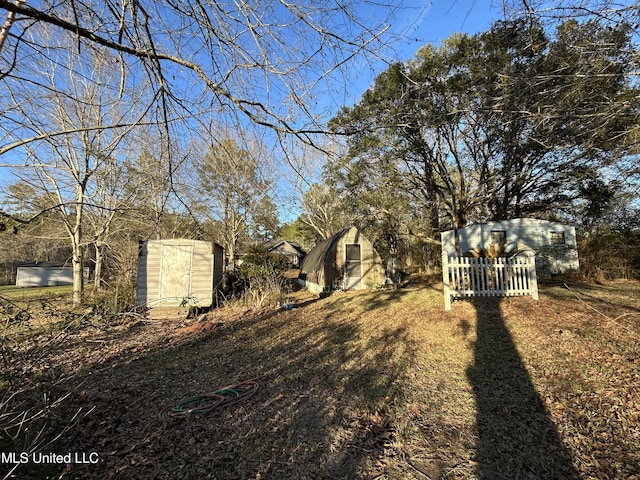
(218, 399)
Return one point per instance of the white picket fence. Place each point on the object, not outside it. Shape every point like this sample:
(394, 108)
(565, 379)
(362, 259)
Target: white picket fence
(495, 277)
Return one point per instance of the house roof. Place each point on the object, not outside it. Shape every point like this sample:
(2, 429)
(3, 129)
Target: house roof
(520, 221)
(273, 244)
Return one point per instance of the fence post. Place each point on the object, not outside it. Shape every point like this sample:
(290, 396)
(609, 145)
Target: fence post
(533, 286)
(445, 281)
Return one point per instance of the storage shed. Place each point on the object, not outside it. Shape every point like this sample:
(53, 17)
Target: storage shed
(553, 244)
(176, 272)
(46, 275)
(345, 261)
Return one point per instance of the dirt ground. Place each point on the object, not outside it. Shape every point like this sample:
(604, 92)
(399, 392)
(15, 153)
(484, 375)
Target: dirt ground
(372, 385)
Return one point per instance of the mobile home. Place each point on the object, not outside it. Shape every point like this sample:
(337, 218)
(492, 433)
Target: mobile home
(553, 244)
(46, 275)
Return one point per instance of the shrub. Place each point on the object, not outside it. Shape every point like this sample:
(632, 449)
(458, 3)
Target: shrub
(263, 275)
(502, 249)
(610, 255)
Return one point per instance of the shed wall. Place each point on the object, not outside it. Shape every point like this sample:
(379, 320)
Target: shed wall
(171, 272)
(372, 273)
(218, 267)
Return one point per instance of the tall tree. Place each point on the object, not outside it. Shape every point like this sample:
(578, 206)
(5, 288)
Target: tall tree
(299, 232)
(84, 101)
(420, 118)
(381, 200)
(112, 195)
(234, 191)
(555, 107)
(151, 175)
(323, 210)
(497, 124)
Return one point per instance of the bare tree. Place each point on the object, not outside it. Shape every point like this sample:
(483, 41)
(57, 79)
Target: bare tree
(234, 186)
(113, 194)
(260, 62)
(85, 102)
(323, 211)
(153, 177)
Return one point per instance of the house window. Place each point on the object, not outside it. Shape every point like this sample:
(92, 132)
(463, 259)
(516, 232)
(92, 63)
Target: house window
(557, 238)
(498, 236)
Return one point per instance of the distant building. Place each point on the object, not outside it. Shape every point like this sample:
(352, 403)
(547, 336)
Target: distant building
(46, 274)
(293, 251)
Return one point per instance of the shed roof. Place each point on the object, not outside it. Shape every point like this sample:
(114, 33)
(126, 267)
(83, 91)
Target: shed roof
(44, 264)
(316, 257)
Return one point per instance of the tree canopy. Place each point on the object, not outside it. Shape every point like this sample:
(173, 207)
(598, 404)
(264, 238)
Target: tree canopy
(506, 123)
(235, 192)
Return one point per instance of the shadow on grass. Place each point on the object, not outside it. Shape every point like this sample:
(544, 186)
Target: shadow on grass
(516, 437)
(320, 411)
(594, 295)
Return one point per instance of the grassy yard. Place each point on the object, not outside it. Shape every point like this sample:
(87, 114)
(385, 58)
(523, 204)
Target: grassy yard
(373, 385)
(23, 294)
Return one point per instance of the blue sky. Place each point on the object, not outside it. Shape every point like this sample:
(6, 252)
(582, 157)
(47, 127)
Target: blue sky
(430, 21)
(418, 22)
(434, 20)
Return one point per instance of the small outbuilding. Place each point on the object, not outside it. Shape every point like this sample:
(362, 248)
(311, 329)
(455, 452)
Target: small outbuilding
(293, 251)
(345, 261)
(176, 272)
(46, 275)
(553, 244)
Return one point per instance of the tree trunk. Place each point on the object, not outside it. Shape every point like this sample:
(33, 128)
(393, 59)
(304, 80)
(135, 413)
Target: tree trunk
(76, 242)
(392, 272)
(459, 220)
(78, 279)
(231, 252)
(97, 274)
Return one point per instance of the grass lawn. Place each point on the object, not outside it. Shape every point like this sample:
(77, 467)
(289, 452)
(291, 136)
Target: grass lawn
(21, 294)
(372, 385)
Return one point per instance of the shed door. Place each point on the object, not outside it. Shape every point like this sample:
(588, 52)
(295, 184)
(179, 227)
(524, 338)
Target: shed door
(175, 273)
(353, 266)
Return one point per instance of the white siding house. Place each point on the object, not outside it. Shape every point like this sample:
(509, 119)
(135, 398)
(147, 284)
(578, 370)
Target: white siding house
(176, 272)
(553, 244)
(46, 275)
